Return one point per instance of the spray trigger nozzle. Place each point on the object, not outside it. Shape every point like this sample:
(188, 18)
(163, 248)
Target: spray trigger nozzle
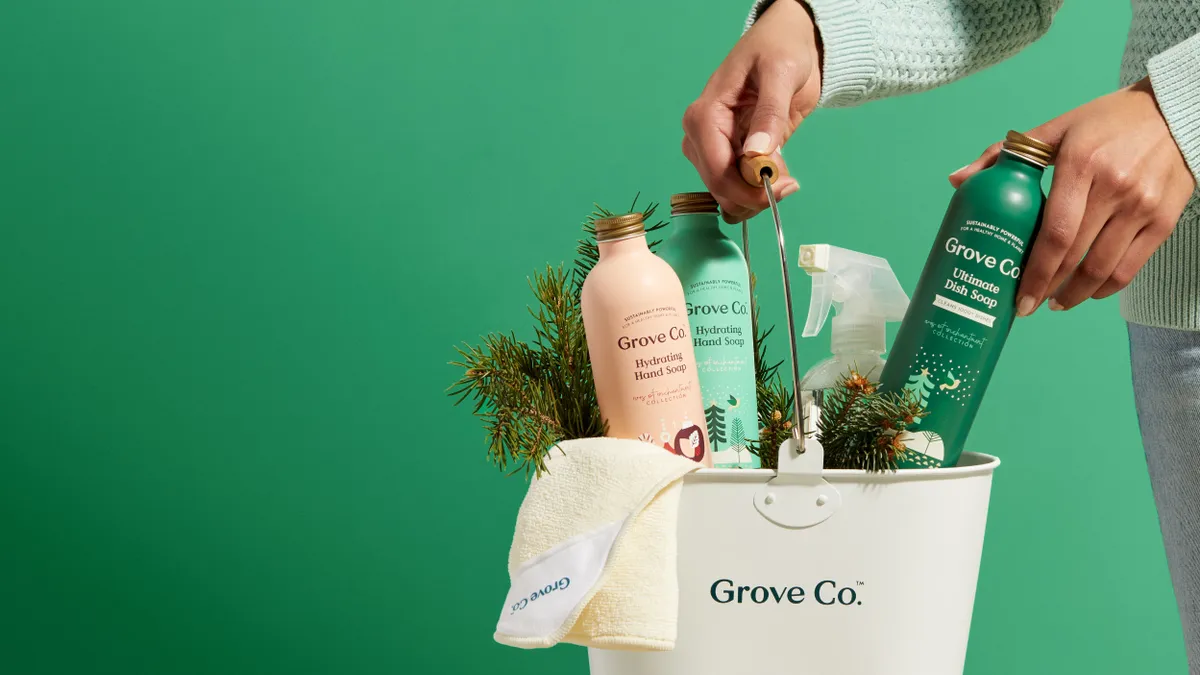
(863, 291)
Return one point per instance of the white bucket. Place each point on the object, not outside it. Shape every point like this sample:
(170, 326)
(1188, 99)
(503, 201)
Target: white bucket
(823, 572)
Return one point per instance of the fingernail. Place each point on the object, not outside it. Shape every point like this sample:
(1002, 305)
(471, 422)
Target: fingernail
(1025, 305)
(788, 189)
(759, 143)
(1056, 305)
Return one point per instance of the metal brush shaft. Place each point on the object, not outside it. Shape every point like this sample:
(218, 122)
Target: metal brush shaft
(798, 420)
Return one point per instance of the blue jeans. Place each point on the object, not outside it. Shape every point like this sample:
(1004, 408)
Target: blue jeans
(1166, 386)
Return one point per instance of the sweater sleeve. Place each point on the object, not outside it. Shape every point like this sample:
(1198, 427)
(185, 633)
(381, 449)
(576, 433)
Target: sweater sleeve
(880, 48)
(1175, 78)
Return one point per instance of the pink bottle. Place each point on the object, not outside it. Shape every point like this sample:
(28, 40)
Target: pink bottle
(640, 343)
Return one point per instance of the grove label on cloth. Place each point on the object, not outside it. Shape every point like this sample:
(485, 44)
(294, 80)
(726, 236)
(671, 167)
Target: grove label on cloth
(965, 301)
(716, 286)
(640, 344)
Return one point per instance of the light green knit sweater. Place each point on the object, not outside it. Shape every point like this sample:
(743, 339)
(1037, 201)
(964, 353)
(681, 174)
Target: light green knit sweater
(880, 48)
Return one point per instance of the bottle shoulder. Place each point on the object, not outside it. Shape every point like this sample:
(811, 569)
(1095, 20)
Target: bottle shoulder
(712, 242)
(720, 258)
(999, 178)
(998, 193)
(632, 273)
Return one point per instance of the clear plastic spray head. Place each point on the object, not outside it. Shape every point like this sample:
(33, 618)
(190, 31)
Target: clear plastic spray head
(862, 289)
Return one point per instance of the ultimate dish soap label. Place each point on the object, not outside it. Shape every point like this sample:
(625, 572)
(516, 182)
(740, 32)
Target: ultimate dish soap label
(965, 300)
(716, 285)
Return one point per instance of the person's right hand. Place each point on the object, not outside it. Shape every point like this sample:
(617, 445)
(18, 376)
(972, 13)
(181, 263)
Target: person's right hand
(768, 84)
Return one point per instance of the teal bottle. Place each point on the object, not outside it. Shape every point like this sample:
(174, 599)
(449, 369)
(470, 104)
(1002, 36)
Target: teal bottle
(965, 301)
(716, 286)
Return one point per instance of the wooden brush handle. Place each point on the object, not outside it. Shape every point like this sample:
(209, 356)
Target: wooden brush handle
(752, 168)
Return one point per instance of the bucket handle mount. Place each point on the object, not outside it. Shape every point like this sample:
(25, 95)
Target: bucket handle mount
(798, 496)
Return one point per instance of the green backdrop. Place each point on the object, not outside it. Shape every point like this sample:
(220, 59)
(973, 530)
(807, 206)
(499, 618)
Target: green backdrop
(240, 238)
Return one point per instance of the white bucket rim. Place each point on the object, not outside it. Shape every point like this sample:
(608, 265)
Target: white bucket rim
(970, 464)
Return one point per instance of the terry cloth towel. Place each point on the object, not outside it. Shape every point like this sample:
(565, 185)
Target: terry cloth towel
(593, 556)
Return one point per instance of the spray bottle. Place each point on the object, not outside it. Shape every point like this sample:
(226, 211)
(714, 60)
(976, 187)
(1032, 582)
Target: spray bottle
(866, 295)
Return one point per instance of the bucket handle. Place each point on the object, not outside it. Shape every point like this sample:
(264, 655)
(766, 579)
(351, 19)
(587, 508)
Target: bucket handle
(798, 496)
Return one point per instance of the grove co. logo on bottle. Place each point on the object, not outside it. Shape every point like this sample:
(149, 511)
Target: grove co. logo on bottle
(826, 592)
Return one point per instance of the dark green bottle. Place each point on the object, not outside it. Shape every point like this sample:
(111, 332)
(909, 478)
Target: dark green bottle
(965, 301)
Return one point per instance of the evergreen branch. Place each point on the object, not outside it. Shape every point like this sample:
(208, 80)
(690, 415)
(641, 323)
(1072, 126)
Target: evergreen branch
(501, 378)
(532, 396)
(775, 402)
(861, 427)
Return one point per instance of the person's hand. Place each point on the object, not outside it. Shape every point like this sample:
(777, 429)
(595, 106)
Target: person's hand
(766, 86)
(1120, 185)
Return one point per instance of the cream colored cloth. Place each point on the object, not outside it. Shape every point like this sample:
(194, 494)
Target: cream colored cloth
(593, 556)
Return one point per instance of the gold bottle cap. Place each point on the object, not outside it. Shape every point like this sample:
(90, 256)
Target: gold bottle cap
(1030, 148)
(693, 202)
(619, 227)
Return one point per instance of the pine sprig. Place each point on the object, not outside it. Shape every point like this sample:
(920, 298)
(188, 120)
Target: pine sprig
(564, 363)
(532, 396)
(503, 381)
(861, 427)
(775, 401)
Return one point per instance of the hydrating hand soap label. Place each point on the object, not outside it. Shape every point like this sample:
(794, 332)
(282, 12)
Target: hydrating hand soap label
(716, 285)
(640, 345)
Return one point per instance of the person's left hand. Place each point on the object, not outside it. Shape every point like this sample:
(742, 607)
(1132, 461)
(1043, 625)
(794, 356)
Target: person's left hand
(1120, 185)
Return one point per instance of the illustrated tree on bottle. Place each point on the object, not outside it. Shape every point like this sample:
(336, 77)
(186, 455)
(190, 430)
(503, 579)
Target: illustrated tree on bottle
(920, 384)
(737, 437)
(927, 445)
(715, 417)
